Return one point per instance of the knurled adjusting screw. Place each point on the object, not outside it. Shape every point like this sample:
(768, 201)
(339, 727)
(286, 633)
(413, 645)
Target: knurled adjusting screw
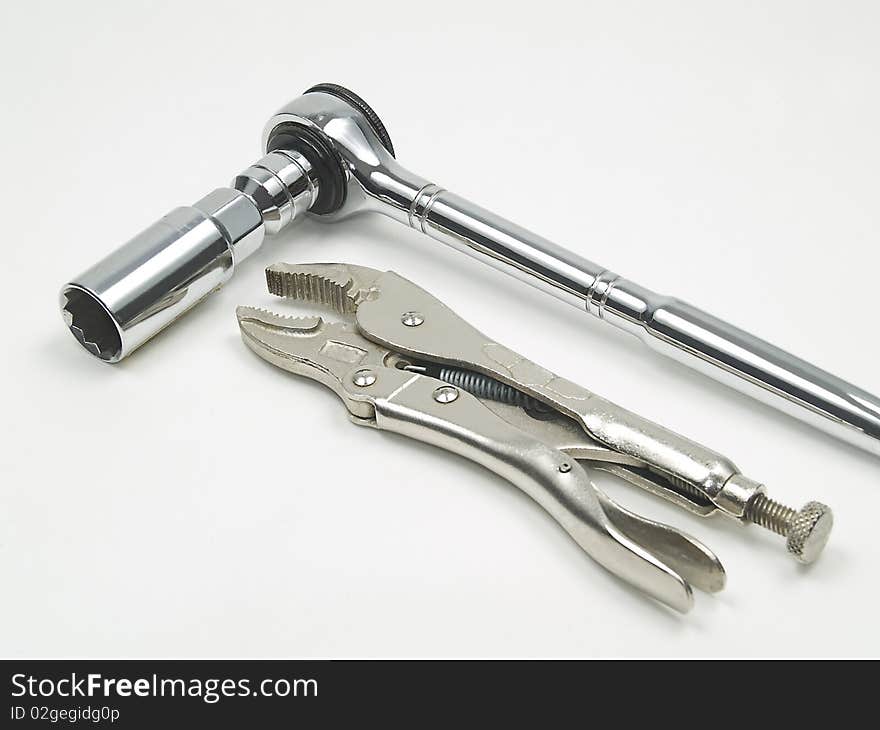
(805, 531)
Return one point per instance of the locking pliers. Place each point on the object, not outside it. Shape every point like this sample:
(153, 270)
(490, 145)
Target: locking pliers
(402, 361)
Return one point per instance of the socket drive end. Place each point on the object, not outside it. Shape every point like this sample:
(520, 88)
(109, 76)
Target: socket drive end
(91, 323)
(124, 300)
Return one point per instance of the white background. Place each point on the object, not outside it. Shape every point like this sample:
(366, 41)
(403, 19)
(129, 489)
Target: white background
(193, 501)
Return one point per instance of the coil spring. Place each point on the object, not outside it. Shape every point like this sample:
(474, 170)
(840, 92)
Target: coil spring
(483, 386)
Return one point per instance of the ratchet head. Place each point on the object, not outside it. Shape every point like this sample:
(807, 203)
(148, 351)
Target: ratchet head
(345, 141)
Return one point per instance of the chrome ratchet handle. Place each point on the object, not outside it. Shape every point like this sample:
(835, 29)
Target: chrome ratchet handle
(669, 326)
(747, 363)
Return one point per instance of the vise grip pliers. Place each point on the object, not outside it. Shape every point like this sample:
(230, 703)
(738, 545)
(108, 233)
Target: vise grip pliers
(404, 362)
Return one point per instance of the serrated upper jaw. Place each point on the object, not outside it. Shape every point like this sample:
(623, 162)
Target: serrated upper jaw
(340, 287)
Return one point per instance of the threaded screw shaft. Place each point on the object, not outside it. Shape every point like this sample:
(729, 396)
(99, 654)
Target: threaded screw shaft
(770, 514)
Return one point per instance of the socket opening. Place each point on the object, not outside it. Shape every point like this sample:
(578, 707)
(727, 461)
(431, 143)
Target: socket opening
(91, 324)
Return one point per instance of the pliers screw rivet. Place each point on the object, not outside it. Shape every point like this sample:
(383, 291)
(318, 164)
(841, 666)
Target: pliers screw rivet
(412, 319)
(445, 394)
(364, 378)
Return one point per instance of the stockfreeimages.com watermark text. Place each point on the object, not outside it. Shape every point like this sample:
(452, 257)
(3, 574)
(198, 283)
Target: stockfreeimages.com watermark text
(208, 690)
